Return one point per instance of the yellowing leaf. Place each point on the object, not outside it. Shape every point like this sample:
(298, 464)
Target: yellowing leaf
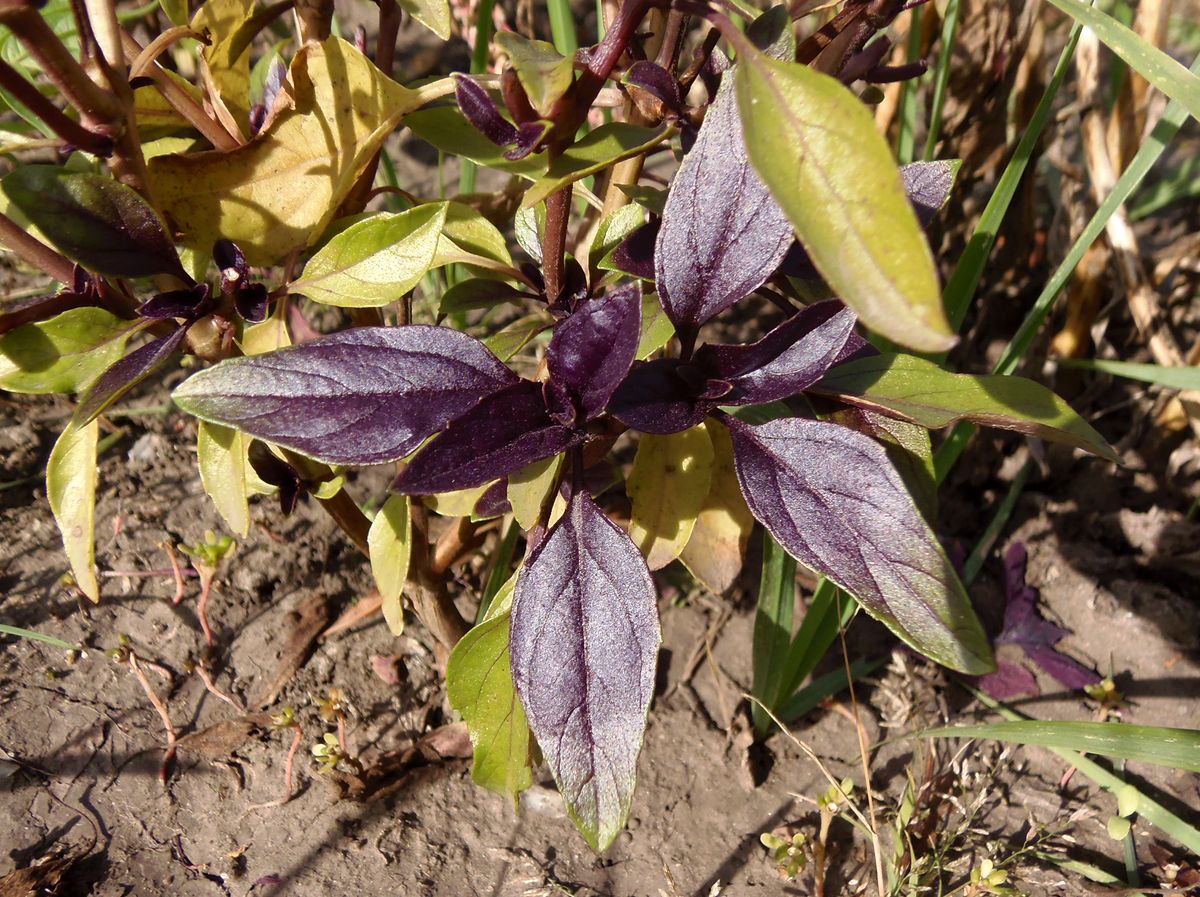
(390, 544)
(816, 148)
(278, 192)
(544, 72)
(457, 504)
(375, 261)
(530, 488)
(667, 485)
(71, 490)
(657, 328)
(230, 74)
(266, 336)
(467, 232)
(223, 457)
(433, 14)
(717, 547)
(64, 354)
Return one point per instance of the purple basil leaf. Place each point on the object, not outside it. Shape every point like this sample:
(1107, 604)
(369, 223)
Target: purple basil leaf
(583, 641)
(1009, 681)
(229, 257)
(529, 135)
(658, 82)
(187, 304)
(276, 75)
(591, 351)
(722, 234)
(664, 396)
(479, 109)
(503, 433)
(793, 356)
(832, 499)
(98, 222)
(251, 301)
(128, 373)
(494, 502)
(635, 255)
(362, 396)
(274, 471)
(1025, 628)
(928, 185)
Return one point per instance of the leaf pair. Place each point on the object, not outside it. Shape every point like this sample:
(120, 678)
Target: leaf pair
(588, 357)
(669, 395)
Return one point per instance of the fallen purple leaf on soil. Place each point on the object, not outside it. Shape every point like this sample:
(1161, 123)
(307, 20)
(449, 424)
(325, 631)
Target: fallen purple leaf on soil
(1025, 628)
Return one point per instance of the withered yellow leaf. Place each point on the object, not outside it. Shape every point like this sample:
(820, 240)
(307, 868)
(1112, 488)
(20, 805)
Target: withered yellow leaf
(717, 547)
(667, 485)
(278, 192)
(230, 74)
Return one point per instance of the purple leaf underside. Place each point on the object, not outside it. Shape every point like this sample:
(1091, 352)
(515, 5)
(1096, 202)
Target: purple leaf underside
(363, 396)
(635, 254)
(527, 138)
(584, 640)
(722, 234)
(658, 82)
(128, 373)
(591, 350)
(506, 431)
(790, 358)
(479, 109)
(928, 185)
(831, 498)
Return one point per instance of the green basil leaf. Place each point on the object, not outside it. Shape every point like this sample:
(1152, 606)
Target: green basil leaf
(375, 261)
(919, 391)
(64, 354)
(816, 147)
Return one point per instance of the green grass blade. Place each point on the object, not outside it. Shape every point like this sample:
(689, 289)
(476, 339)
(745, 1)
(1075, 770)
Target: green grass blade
(1150, 810)
(906, 132)
(562, 26)
(1162, 746)
(1173, 378)
(818, 631)
(501, 569)
(36, 636)
(772, 628)
(979, 553)
(826, 686)
(963, 283)
(1147, 60)
(1149, 153)
(1182, 183)
(942, 79)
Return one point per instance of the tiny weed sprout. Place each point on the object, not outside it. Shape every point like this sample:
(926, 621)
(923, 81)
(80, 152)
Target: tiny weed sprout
(626, 371)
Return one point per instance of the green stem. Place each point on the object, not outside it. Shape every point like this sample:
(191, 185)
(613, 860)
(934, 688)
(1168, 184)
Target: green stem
(562, 27)
(942, 79)
(905, 137)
